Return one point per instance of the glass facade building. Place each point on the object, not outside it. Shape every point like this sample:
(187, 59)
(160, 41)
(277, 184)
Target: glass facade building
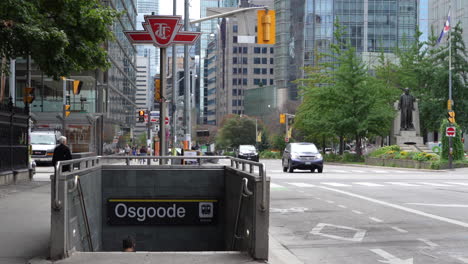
(306, 26)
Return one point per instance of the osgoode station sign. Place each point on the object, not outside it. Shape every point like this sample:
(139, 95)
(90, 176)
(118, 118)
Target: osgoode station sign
(162, 211)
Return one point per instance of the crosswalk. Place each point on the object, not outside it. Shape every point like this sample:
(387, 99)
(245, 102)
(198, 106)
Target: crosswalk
(355, 171)
(286, 185)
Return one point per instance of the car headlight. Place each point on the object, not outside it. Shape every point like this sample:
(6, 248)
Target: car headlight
(294, 156)
(319, 156)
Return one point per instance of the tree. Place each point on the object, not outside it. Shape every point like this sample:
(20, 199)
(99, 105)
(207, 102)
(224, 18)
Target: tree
(61, 36)
(458, 153)
(236, 130)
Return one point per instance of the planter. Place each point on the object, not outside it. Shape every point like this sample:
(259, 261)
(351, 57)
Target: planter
(401, 163)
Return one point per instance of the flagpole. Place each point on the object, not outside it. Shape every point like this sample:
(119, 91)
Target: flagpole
(450, 154)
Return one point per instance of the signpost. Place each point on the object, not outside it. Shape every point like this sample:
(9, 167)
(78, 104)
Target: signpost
(162, 32)
(450, 131)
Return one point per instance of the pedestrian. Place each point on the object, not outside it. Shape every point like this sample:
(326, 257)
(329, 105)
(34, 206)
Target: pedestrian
(127, 150)
(128, 245)
(143, 152)
(62, 152)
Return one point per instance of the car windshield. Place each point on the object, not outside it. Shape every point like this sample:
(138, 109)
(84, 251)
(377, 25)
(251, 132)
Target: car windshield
(43, 139)
(304, 148)
(247, 148)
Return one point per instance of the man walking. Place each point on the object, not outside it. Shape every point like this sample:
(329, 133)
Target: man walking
(62, 152)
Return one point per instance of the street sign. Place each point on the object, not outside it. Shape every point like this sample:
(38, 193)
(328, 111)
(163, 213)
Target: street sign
(162, 31)
(450, 131)
(166, 120)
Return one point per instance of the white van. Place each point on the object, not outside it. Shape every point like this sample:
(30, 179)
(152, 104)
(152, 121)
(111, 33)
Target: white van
(43, 144)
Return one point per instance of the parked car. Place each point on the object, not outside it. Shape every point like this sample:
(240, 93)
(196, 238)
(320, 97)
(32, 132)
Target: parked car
(303, 156)
(248, 152)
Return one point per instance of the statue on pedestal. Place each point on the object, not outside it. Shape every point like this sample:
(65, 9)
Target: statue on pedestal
(406, 106)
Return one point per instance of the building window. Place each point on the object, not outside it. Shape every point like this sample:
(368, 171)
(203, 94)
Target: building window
(234, 81)
(234, 28)
(234, 60)
(257, 50)
(234, 92)
(234, 49)
(234, 70)
(244, 70)
(245, 50)
(271, 81)
(256, 70)
(239, 102)
(264, 81)
(256, 60)
(256, 81)
(272, 60)
(271, 70)
(234, 39)
(240, 92)
(264, 50)
(264, 71)
(264, 60)
(234, 102)
(244, 81)
(272, 50)
(244, 60)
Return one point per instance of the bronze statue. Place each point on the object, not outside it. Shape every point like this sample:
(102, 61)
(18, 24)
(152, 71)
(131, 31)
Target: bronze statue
(406, 105)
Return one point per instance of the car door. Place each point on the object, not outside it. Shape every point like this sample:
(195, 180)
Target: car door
(286, 153)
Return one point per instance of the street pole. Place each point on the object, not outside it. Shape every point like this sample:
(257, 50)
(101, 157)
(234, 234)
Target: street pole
(188, 106)
(162, 105)
(256, 132)
(63, 106)
(450, 154)
(174, 88)
(13, 80)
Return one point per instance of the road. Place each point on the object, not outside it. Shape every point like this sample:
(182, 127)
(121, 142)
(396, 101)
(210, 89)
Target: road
(358, 214)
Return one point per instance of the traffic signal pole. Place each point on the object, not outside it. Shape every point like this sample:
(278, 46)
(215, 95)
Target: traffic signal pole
(450, 154)
(162, 104)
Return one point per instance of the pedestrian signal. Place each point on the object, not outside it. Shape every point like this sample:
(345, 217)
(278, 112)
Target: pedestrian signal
(67, 110)
(282, 118)
(29, 95)
(141, 116)
(77, 87)
(157, 89)
(451, 117)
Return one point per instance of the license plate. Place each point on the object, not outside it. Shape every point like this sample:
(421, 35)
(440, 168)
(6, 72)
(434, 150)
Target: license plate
(307, 163)
(37, 153)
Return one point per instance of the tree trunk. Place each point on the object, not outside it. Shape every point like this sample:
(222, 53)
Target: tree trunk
(358, 146)
(341, 145)
(323, 144)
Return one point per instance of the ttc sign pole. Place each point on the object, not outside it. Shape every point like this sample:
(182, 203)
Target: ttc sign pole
(162, 32)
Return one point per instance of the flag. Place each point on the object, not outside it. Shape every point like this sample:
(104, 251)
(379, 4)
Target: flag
(445, 29)
(259, 136)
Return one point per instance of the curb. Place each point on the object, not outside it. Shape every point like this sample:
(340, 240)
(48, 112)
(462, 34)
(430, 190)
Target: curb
(280, 254)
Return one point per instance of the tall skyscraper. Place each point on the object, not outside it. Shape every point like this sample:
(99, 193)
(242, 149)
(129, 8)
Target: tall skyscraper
(438, 10)
(306, 26)
(147, 7)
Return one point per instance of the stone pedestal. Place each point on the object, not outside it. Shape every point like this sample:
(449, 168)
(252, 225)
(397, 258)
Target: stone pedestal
(408, 136)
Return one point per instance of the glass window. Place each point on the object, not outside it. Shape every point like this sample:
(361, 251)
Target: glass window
(256, 81)
(272, 60)
(245, 50)
(239, 102)
(264, 71)
(264, 50)
(234, 28)
(234, 92)
(234, 39)
(257, 50)
(272, 50)
(271, 70)
(234, 102)
(234, 81)
(240, 92)
(234, 60)
(244, 60)
(234, 49)
(244, 70)
(244, 81)
(234, 70)
(264, 81)
(271, 81)
(264, 60)
(256, 60)
(256, 70)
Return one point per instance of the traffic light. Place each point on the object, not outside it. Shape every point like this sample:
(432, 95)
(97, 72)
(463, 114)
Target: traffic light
(282, 119)
(28, 95)
(451, 117)
(266, 27)
(157, 89)
(67, 110)
(141, 116)
(77, 87)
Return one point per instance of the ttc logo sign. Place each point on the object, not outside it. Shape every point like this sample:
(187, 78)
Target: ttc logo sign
(162, 31)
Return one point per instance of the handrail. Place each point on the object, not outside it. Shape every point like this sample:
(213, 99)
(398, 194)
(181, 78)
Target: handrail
(244, 192)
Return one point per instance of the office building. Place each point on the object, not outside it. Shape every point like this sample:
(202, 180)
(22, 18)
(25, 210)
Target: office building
(143, 96)
(148, 7)
(438, 10)
(304, 27)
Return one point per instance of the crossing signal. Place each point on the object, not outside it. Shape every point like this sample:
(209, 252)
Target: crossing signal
(29, 95)
(451, 117)
(77, 87)
(157, 89)
(141, 116)
(266, 27)
(67, 110)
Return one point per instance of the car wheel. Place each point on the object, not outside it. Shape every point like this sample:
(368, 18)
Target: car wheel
(290, 169)
(312, 170)
(320, 170)
(285, 169)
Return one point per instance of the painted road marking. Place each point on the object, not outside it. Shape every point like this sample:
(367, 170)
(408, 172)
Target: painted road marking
(375, 219)
(339, 171)
(342, 206)
(403, 184)
(441, 205)
(289, 210)
(357, 171)
(399, 229)
(389, 258)
(428, 242)
(358, 236)
(397, 171)
(301, 184)
(462, 259)
(357, 212)
(380, 171)
(435, 184)
(399, 207)
(276, 186)
(330, 202)
(370, 184)
(458, 183)
(335, 184)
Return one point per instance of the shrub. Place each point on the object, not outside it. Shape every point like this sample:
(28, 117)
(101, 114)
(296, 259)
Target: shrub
(332, 157)
(380, 151)
(348, 157)
(268, 154)
(230, 153)
(423, 156)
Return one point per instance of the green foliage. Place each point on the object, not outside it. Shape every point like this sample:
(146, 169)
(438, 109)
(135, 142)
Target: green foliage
(61, 36)
(345, 158)
(236, 130)
(267, 154)
(380, 151)
(423, 156)
(458, 153)
(230, 153)
(278, 143)
(141, 140)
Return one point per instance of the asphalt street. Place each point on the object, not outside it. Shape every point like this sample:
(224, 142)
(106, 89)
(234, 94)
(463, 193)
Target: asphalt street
(356, 214)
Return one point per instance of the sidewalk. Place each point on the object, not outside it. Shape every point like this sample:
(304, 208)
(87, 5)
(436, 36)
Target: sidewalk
(24, 221)
(25, 230)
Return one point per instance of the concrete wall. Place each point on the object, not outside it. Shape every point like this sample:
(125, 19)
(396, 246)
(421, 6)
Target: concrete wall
(77, 235)
(152, 183)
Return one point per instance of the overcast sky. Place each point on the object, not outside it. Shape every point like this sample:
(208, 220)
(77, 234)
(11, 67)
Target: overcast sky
(166, 8)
